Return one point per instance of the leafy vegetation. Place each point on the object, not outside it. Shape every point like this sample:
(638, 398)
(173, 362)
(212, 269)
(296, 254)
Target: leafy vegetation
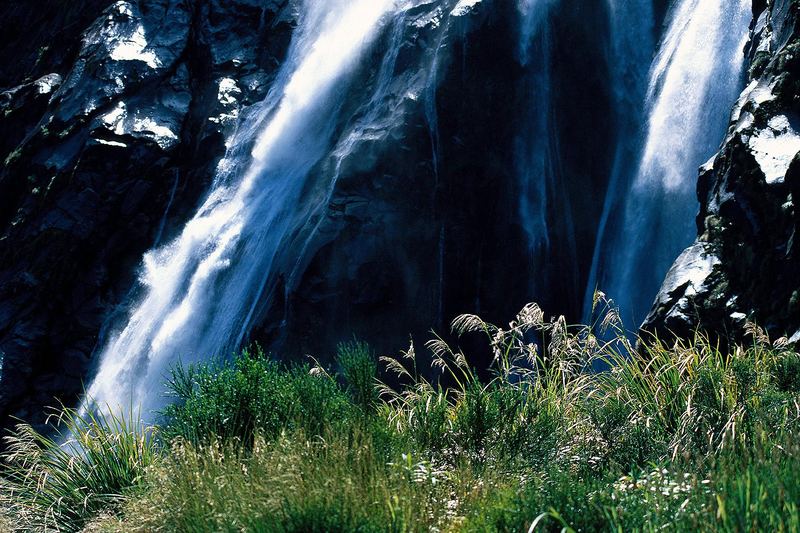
(683, 436)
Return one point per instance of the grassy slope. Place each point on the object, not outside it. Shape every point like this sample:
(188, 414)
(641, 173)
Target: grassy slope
(681, 437)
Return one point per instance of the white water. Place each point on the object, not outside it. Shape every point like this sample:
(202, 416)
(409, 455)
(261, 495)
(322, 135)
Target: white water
(694, 80)
(200, 291)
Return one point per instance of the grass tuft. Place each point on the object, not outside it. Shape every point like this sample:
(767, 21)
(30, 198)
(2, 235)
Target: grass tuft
(60, 483)
(236, 400)
(359, 368)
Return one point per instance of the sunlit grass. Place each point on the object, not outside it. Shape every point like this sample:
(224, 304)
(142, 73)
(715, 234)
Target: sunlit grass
(683, 436)
(60, 482)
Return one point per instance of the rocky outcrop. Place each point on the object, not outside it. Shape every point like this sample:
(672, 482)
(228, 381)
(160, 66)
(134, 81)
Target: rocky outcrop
(108, 145)
(744, 265)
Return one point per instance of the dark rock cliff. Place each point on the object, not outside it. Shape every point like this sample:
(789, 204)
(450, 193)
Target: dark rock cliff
(745, 264)
(114, 116)
(114, 124)
(423, 221)
(109, 141)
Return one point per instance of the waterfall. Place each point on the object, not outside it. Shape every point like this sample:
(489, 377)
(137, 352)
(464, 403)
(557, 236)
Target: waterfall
(199, 292)
(650, 207)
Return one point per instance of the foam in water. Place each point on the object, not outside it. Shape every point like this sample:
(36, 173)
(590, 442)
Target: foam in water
(694, 80)
(201, 289)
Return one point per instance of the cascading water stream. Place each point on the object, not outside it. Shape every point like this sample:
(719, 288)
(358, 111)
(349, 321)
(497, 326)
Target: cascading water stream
(199, 291)
(534, 147)
(632, 46)
(649, 213)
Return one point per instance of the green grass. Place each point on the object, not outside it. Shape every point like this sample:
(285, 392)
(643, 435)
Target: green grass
(60, 483)
(684, 437)
(251, 395)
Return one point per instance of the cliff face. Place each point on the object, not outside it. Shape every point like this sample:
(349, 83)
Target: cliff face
(423, 221)
(114, 136)
(744, 264)
(116, 116)
(109, 141)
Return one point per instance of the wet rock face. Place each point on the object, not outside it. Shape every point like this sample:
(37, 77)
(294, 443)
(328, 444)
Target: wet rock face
(423, 222)
(109, 141)
(745, 261)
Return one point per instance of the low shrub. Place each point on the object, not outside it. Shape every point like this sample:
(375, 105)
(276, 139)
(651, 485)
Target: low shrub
(235, 400)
